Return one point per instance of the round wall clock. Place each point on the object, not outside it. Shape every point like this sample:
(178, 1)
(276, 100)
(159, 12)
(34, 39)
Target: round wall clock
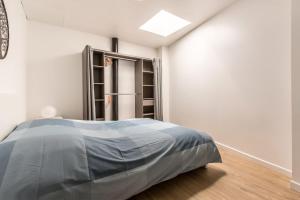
(4, 31)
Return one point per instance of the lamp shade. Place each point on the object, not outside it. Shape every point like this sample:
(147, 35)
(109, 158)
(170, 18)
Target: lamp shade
(48, 112)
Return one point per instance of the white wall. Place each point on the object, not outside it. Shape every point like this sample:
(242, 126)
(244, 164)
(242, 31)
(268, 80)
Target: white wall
(231, 77)
(55, 67)
(164, 56)
(126, 85)
(12, 71)
(296, 92)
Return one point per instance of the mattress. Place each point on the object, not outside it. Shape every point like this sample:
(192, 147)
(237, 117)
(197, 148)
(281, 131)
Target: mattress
(53, 159)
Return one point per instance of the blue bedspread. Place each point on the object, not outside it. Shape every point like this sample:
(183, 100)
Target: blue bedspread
(53, 159)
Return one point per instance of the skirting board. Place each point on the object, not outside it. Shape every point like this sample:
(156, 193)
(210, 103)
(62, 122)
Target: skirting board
(270, 165)
(295, 186)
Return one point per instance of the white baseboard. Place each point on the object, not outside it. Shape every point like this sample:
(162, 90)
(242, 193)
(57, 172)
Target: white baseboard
(268, 164)
(295, 186)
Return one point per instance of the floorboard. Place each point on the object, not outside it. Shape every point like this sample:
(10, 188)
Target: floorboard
(238, 178)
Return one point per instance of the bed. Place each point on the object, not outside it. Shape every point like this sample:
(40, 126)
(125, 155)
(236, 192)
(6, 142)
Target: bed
(53, 159)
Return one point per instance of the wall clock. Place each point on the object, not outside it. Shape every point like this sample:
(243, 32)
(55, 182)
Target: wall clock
(4, 31)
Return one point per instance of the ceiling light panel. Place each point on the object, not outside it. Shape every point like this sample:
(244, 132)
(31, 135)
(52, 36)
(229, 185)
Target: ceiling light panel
(164, 24)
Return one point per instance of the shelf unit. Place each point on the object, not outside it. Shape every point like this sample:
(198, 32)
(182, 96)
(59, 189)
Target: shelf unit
(94, 97)
(148, 89)
(93, 85)
(98, 84)
(145, 87)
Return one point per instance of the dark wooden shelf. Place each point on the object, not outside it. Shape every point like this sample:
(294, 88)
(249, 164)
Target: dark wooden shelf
(98, 67)
(148, 72)
(148, 102)
(99, 99)
(148, 114)
(98, 83)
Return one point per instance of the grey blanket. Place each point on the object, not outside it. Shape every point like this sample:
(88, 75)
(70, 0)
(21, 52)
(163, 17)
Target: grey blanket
(54, 159)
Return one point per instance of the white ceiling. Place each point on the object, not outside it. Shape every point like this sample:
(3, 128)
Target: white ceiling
(122, 18)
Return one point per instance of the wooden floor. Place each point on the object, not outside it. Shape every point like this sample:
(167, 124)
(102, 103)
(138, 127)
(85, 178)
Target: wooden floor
(238, 178)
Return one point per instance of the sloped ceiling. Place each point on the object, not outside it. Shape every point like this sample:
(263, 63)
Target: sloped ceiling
(122, 18)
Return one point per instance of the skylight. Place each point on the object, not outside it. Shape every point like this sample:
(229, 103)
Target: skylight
(164, 24)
